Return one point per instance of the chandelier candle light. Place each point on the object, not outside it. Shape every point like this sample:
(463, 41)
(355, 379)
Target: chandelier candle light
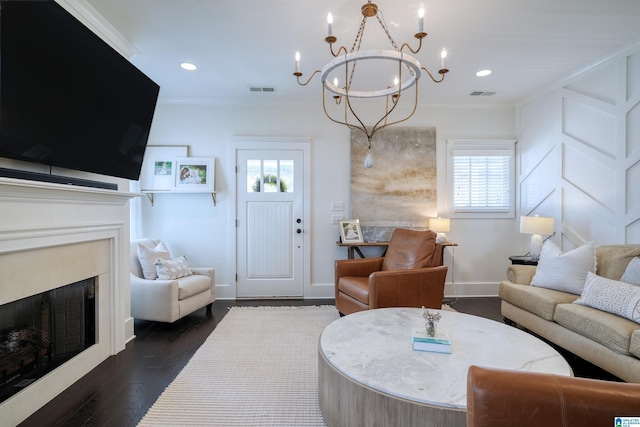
(345, 63)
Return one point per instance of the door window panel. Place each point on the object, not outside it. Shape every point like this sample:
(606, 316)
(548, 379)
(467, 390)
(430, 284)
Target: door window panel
(270, 176)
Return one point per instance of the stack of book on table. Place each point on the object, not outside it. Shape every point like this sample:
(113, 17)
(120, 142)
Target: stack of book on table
(440, 343)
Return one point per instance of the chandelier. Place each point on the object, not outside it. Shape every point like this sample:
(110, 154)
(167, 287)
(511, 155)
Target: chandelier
(338, 105)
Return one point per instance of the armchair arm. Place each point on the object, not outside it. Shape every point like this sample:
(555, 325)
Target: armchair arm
(206, 271)
(521, 274)
(407, 288)
(154, 299)
(357, 267)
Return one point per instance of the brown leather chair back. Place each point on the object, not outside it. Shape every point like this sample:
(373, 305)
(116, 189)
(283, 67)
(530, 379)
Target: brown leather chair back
(410, 249)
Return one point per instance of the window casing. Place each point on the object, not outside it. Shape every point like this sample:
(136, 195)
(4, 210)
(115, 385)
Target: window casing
(481, 178)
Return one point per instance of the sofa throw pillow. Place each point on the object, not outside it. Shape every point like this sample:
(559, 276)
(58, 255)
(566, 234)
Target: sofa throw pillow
(620, 298)
(567, 271)
(172, 269)
(632, 273)
(147, 257)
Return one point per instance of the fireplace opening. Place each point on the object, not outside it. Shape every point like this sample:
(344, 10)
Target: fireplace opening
(41, 332)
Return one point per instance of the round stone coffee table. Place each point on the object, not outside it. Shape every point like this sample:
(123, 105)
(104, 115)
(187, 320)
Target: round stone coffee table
(369, 374)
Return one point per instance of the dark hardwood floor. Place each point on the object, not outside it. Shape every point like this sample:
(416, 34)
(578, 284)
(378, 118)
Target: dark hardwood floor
(120, 390)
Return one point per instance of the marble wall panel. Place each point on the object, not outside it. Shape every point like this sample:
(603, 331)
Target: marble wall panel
(400, 190)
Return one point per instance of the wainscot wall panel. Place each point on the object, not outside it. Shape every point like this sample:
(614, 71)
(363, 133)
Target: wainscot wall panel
(594, 127)
(597, 174)
(598, 85)
(597, 183)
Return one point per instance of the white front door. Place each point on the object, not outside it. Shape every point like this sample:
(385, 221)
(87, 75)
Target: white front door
(270, 226)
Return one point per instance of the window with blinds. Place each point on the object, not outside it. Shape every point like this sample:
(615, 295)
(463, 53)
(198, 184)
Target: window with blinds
(481, 177)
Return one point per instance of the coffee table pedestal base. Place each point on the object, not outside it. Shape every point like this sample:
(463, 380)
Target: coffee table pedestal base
(345, 402)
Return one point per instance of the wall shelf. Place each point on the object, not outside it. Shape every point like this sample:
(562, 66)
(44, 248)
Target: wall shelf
(151, 195)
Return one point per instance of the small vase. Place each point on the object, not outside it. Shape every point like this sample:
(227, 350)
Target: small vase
(431, 328)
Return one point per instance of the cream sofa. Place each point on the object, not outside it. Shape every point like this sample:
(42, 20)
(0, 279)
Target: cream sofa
(168, 300)
(606, 340)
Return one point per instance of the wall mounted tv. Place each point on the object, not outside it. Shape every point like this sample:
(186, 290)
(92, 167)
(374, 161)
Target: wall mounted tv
(68, 99)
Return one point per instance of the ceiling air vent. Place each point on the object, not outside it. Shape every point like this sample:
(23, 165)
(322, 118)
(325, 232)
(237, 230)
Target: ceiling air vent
(265, 89)
(481, 93)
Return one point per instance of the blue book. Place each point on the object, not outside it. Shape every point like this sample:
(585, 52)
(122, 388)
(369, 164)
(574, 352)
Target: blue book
(420, 335)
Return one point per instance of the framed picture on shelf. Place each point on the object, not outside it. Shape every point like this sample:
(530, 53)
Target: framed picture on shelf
(350, 231)
(195, 174)
(159, 166)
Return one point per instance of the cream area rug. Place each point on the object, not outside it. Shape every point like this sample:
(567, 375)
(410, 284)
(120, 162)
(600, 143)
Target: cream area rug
(259, 367)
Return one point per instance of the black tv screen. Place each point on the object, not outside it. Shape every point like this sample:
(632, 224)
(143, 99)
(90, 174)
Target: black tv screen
(68, 99)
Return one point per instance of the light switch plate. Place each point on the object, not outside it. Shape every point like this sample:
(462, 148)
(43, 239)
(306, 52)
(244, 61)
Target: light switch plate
(337, 206)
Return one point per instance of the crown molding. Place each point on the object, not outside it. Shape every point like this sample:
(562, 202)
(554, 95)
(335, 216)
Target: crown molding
(90, 17)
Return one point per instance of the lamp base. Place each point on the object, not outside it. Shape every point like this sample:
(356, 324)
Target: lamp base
(441, 237)
(536, 246)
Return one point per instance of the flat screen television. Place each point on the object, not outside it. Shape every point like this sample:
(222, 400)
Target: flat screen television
(68, 99)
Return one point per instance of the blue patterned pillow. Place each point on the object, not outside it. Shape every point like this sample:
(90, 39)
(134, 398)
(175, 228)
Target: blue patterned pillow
(620, 298)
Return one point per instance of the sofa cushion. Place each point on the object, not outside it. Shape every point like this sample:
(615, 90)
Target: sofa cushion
(189, 286)
(632, 273)
(147, 256)
(539, 301)
(634, 347)
(171, 269)
(613, 259)
(611, 296)
(567, 271)
(613, 332)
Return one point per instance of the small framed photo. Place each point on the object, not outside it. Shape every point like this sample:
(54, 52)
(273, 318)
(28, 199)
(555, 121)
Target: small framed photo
(159, 166)
(195, 174)
(350, 231)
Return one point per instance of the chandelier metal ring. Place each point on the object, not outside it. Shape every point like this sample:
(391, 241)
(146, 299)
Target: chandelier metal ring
(390, 55)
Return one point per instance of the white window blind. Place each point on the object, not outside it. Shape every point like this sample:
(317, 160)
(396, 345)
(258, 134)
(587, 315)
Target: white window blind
(481, 177)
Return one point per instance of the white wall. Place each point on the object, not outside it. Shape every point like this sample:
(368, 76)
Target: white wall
(579, 154)
(194, 226)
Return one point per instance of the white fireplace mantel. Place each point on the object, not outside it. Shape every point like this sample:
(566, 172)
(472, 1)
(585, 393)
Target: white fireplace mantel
(51, 226)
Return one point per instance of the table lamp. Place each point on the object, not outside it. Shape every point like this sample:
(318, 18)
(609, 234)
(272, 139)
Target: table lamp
(440, 225)
(536, 226)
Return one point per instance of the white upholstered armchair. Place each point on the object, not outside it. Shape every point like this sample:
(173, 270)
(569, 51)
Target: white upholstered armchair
(172, 295)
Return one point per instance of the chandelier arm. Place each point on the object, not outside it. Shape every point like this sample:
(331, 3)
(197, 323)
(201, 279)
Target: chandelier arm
(345, 122)
(415, 105)
(298, 75)
(395, 97)
(410, 48)
(349, 80)
(336, 54)
(442, 72)
(362, 126)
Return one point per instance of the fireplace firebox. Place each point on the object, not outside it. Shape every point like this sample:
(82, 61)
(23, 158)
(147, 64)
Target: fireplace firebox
(41, 332)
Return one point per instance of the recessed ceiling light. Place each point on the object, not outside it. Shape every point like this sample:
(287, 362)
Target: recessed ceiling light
(483, 73)
(188, 66)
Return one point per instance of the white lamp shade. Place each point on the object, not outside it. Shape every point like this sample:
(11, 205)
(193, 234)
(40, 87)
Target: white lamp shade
(439, 224)
(536, 225)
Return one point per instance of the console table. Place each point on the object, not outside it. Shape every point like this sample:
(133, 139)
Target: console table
(353, 248)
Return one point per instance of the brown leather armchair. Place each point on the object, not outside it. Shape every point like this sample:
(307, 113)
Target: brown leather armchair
(501, 398)
(409, 275)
